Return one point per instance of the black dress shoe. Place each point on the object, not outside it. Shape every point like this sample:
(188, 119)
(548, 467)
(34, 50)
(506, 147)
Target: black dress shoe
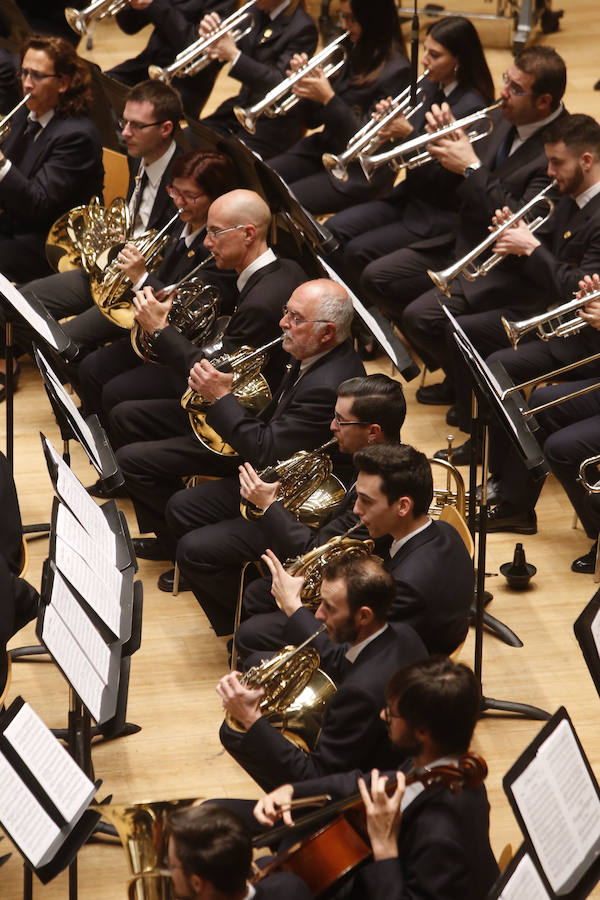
(441, 394)
(99, 491)
(494, 492)
(506, 518)
(167, 580)
(461, 455)
(149, 548)
(452, 417)
(586, 564)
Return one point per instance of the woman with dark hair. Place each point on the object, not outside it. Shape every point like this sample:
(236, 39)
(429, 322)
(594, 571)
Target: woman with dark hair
(425, 204)
(376, 65)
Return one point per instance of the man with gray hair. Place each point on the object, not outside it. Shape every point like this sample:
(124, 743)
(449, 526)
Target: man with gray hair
(316, 332)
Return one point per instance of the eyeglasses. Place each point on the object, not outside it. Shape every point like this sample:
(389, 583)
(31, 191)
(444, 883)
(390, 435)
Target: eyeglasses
(173, 192)
(213, 233)
(297, 319)
(35, 76)
(341, 422)
(513, 87)
(388, 715)
(137, 126)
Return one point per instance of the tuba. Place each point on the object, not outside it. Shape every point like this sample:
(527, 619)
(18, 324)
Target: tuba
(311, 564)
(307, 486)
(249, 386)
(296, 693)
(6, 122)
(78, 236)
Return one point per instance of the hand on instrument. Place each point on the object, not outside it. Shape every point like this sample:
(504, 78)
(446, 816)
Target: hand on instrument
(286, 588)
(208, 381)
(131, 262)
(454, 151)
(517, 240)
(273, 806)
(225, 49)
(590, 313)
(151, 314)
(314, 86)
(253, 488)
(139, 4)
(397, 128)
(383, 813)
(239, 701)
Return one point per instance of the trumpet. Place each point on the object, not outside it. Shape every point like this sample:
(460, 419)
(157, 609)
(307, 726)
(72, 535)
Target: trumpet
(367, 137)
(466, 266)
(80, 19)
(573, 325)
(194, 58)
(592, 487)
(413, 153)
(279, 100)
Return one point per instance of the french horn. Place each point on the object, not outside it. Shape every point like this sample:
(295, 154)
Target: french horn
(78, 237)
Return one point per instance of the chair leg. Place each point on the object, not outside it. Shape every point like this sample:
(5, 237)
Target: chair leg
(597, 567)
(238, 614)
(175, 580)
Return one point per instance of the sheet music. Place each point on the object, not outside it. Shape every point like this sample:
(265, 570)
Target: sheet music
(53, 768)
(561, 809)
(24, 819)
(595, 629)
(18, 302)
(525, 882)
(71, 491)
(90, 586)
(70, 530)
(81, 627)
(473, 353)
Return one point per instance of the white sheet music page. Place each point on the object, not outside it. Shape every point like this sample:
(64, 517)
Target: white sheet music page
(90, 586)
(18, 302)
(81, 627)
(525, 882)
(24, 819)
(71, 491)
(70, 530)
(595, 629)
(54, 769)
(561, 809)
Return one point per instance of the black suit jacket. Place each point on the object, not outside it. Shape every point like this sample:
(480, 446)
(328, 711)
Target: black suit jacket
(352, 733)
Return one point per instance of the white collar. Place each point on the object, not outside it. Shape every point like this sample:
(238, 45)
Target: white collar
(447, 89)
(259, 263)
(353, 651)
(43, 120)
(413, 790)
(587, 195)
(156, 169)
(188, 236)
(526, 131)
(279, 9)
(400, 542)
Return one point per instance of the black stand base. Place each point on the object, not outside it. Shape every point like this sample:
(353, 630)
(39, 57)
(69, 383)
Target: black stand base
(488, 705)
(96, 731)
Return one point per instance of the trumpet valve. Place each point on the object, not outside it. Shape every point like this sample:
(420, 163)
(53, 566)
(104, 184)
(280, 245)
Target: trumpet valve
(245, 118)
(335, 166)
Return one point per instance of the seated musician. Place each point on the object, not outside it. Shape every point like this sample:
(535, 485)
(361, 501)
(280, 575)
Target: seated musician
(210, 856)
(368, 409)
(375, 67)
(426, 842)
(394, 490)
(360, 652)
(280, 28)
(52, 158)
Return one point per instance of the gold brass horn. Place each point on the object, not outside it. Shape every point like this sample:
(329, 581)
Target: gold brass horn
(454, 493)
(279, 100)
(249, 386)
(6, 121)
(311, 564)
(195, 58)
(516, 330)
(80, 19)
(467, 266)
(296, 693)
(592, 487)
(78, 236)
(307, 486)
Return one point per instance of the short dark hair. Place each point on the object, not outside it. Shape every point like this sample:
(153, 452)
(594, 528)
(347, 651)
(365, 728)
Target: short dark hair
(441, 696)
(378, 399)
(578, 132)
(164, 98)
(213, 172)
(213, 843)
(548, 70)
(403, 470)
(368, 583)
(77, 99)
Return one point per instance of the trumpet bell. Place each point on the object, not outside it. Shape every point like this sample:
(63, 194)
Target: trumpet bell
(440, 280)
(75, 20)
(157, 73)
(245, 119)
(334, 166)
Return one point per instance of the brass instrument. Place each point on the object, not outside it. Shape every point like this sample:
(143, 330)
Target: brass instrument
(280, 99)
(467, 267)
(109, 284)
(413, 153)
(193, 312)
(249, 387)
(296, 693)
(81, 234)
(194, 58)
(6, 121)
(311, 564)
(592, 487)
(80, 19)
(307, 486)
(142, 831)
(448, 496)
(367, 138)
(573, 325)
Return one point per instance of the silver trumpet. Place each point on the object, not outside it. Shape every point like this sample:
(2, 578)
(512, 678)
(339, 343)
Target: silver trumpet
(592, 487)
(413, 153)
(6, 121)
(280, 99)
(545, 324)
(80, 19)
(367, 138)
(467, 267)
(195, 58)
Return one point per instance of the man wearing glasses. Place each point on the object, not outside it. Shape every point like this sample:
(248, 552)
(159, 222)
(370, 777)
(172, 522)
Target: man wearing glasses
(52, 158)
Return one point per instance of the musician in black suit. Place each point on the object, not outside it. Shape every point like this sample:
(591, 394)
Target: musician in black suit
(431, 842)
(368, 409)
(10, 89)
(175, 27)
(355, 596)
(52, 158)
(259, 61)
(376, 66)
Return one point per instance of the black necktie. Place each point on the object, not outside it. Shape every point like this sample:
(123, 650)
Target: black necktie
(505, 146)
(28, 150)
